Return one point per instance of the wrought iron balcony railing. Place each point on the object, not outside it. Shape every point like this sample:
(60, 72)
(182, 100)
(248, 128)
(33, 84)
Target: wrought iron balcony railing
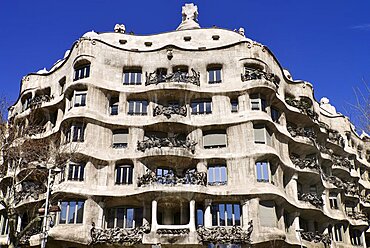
(179, 77)
(191, 177)
(301, 131)
(38, 100)
(254, 74)
(154, 141)
(304, 107)
(341, 161)
(312, 198)
(357, 215)
(168, 111)
(316, 237)
(303, 163)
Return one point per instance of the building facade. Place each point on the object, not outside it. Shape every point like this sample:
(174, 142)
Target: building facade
(193, 138)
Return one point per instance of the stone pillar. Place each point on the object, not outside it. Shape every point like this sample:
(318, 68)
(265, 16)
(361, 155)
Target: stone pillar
(245, 213)
(363, 239)
(154, 216)
(100, 222)
(192, 216)
(207, 213)
(281, 222)
(295, 225)
(294, 186)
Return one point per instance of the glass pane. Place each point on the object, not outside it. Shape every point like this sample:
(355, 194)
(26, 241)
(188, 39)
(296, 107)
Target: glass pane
(208, 107)
(131, 107)
(138, 79)
(80, 212)
(201, 107)
(222, 214)
(138, 213)
(145, 107)
(223, 174)
(137, 107)
(126, 78)
(218, 75)
(120, 217)
(82, 172)
(211, 178)
(263, 103)
(194, 106)
(130, 170)
(211, 76)
(71, 214)
(124, 175)
(259, 171)
(83, 99)
(63, 213)
(265, 171)
(76, 170)
(130, 218)
(118, 175)
(87, 74)
(214, 211)
(229, 210)
(200, 217)
(70, 172)
(237, 214)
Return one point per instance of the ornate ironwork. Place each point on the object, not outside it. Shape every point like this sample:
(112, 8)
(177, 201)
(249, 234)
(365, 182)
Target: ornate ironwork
(310, 163)
(224, 235)
(301, 131)
(357, 215)
(351, 189)
(337, 182)
(365, 198)
(38, 100)
(335, 137)
(30, 189)
(25, 239)
(179, 231)
(341, 161)
(153, 141)
(253, 74)
(324, 149)
(191, 177)
(304, 107)
(312, 198)
(316, 237)
(178, 76)
(169, 110)
(118, 235)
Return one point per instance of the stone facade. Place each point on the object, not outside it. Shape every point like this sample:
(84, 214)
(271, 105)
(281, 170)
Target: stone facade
(192, 138)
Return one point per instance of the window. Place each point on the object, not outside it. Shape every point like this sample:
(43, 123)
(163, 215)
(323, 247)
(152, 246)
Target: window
(120, 138)
(137, 107)
(275, 115)
(258, 102)
(79, 99)
(263, 171)
(217, 175)
(225, 214)
(62, 84)
(124, 174)
(124, 217)
(76, 172)
(201, 107)
(333, 200)
(214, 139)
(113, 106)
(76, 133)
(200, 215)
(3, 224)
(234, 105)
(82, 71)
(71, 212)
(355, 235)
(267, 214)
(132, 77)
(350, 207)
(338, 232)
(261, 135)
(162, 174)
(214, 76)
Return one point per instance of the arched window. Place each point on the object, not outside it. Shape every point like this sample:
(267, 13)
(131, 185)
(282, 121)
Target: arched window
(82, 70)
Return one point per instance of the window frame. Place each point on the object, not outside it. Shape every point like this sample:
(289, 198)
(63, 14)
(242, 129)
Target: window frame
(76, 172)
(136, 222)
(67, 212)
(267, 135)
(82, 103)
(201, 106)
(134, 104)
(263, 167)
(120, 170)
(132, 76)
(81, 71)
(333, 200)
(217, 174)
(214, 73)
(216, 214)
(260, 100)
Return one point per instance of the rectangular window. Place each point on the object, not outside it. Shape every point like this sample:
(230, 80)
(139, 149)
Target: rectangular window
(225, 214)
(76, 172)
(124, 217)
(333, 200)
(214, 139)
(82, 72)
(338, 232)
(137, 107)
(275, 115)
(78, 133)
(262, 135)
(355, 237)
(71, 212)
(113, 106)
(267, 214)
(263, 171)
(124, 174)
(214, 76)
(79, 99)
(258, 102)
(120, 139)
(201, 107)
(217, 175)
(234, 105)
(132, 77)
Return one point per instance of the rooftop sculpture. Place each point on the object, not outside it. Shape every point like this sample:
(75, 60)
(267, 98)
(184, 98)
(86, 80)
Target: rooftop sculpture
(189, 17)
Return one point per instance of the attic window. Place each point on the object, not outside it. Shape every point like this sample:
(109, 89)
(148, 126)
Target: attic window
(187, 38)
(122, 42)
(148, 43)
(215, 37)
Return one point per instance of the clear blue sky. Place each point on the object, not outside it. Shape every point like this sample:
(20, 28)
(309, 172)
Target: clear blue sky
(324, 42)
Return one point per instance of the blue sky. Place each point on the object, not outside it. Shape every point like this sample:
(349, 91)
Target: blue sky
(324, 42)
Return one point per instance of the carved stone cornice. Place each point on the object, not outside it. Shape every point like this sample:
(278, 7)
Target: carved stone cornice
(159, 142)
(357, 215)
(190, 177)
(335, 137)
(179, 231)
(118, 235)
(304, 107)
(341, 161)
(225, 235)
(301, 131)
(312, 198)
(169, 110)
(179, 77)
(253, 74)
(303, 163)
(316, 237)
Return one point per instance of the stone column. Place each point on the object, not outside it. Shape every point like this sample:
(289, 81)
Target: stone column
(294, 186)
(192, 216)
(154, 216)
(207, 213)
(245, 213)
(295, 225)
